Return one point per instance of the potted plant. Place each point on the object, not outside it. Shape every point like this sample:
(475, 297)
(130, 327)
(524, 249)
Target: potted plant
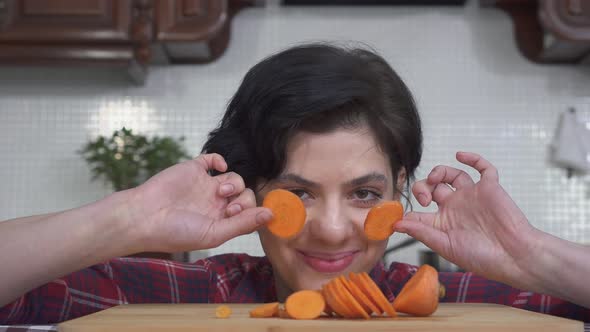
(126, 160)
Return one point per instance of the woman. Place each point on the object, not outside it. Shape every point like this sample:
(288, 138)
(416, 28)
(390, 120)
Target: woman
(335, 126)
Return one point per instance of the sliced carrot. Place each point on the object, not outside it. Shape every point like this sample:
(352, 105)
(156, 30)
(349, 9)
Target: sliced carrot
(342, 307)
(305, 304)
(377, 295)
(419, 296)
(346, 285)
(331, 301)
(348, 310)
(350, 301)
(222, 311)
(358, 294)
(381, 218)
(288, 213)
(327, 310)
(266, 310)
(283, 313)
(356, 279)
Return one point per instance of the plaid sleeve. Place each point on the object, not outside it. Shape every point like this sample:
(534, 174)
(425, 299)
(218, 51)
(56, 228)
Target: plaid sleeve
(467, 287)
(122, 280)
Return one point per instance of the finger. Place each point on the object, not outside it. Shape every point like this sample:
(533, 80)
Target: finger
(243, 201)
(242, 223)
(453, 176)
(212, 161)
(427, 218)
(231, 184)
(441, 192)
(433, 238)
(484, 167)
(423, 192)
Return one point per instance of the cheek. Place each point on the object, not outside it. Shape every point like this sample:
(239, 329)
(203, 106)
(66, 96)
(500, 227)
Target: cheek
(275, 249)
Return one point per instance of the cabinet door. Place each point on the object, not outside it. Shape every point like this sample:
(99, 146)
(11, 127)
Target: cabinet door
(65, 21)
(192, 30)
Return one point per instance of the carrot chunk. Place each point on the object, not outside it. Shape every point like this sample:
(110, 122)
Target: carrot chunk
(419, 296)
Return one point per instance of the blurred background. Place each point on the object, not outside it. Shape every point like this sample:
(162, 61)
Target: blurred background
(506, 79)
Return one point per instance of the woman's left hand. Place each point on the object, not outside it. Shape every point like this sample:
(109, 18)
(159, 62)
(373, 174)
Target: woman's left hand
(477, 225)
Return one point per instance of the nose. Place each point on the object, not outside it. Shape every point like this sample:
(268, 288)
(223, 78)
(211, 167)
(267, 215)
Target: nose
(330, 222)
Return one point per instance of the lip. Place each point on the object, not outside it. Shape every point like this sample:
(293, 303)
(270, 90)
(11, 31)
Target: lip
(328, 262)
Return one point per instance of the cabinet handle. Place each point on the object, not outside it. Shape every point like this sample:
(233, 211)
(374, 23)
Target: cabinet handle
(3, 13)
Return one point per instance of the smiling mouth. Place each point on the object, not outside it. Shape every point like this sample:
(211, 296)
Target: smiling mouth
(328, 263)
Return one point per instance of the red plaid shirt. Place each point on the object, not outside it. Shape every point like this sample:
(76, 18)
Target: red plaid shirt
(232, 278)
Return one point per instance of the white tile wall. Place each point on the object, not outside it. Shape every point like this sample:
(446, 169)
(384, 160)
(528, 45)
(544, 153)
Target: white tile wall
(473, 88)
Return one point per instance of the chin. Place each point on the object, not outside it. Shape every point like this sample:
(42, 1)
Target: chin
(315, 284)
(311, 279)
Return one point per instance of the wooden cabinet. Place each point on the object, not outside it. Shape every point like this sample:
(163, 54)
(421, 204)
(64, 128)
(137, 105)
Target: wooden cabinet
(128, 33)
(66, 21)
(550, 31)
(566, 24)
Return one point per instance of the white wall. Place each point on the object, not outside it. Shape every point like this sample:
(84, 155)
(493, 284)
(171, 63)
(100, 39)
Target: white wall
(474, 90)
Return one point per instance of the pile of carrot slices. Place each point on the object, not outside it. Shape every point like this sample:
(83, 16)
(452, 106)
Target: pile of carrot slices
(358, 297)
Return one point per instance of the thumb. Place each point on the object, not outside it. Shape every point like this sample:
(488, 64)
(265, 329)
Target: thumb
(245, 222)
(433, 238)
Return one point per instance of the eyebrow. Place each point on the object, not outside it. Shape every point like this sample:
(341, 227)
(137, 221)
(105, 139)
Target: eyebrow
(369, 178)
(290, 177)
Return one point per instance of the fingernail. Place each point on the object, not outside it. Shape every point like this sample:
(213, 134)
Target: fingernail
(234, 209)
(226, 189)
(263, 217)
(434, 172)
(422, 199)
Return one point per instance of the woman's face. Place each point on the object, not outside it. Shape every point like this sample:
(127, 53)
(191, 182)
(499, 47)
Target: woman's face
(339, 176)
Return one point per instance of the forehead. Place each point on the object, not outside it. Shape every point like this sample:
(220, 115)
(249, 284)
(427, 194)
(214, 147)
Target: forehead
(341, 155)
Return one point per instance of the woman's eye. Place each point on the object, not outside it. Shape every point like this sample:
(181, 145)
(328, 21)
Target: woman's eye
(367, 196)
(362, 194)
(300, 193)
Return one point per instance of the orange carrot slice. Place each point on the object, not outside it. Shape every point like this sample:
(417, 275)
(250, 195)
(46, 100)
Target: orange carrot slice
(377, 295)
(356, 279)
(419, 296)
(283, 313)
(381, 218)
(327, 310)
(222, 311)
(346, 285)
(305, 304)
(266, 310)
(358, 294)
(350, 301)
(337, 302)
(288, 213)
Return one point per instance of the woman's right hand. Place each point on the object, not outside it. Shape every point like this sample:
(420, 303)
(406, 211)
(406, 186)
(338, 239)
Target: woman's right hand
(184, 208)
